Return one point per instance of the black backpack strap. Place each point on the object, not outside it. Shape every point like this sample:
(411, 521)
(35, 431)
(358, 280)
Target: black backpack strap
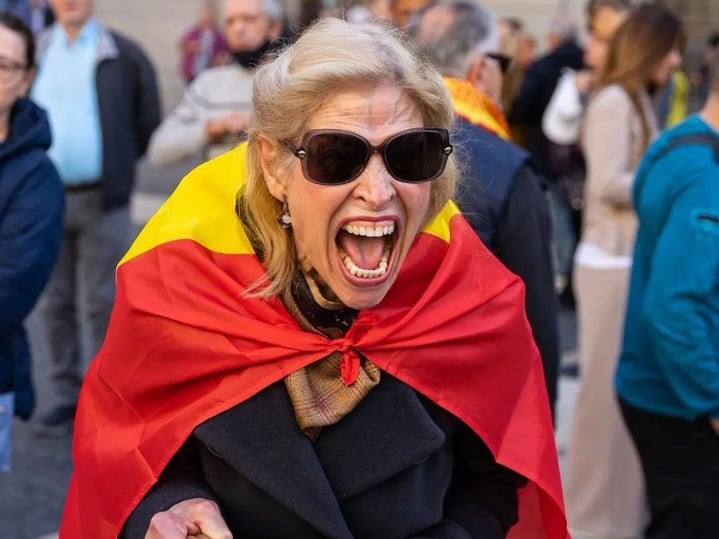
(707, 139)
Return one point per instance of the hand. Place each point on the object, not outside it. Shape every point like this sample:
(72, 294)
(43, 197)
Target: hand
(191, 47)
(584, 80)
(233, 123)
(197, 517)
(715, 424)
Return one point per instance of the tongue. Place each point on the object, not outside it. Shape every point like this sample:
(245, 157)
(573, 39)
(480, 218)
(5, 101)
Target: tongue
(365, 252)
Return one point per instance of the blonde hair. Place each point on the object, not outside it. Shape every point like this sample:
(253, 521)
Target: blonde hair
(329, 56)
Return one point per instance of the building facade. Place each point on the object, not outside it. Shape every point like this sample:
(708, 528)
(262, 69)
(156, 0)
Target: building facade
(158, 24)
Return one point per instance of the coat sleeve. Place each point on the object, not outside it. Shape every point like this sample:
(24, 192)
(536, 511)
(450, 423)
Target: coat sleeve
(182, 133)
(148, 108)
(529, 104)
(30, 238)
(181, 480)
(483, 501)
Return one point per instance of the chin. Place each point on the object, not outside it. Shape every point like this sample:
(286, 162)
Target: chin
(362, 297)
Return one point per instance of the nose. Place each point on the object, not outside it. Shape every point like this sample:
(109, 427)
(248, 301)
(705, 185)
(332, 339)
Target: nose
(375, 186)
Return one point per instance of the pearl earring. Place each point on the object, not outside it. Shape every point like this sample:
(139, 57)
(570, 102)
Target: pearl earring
(284, 218)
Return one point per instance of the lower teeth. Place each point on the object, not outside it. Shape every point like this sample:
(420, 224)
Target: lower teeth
(355, 270)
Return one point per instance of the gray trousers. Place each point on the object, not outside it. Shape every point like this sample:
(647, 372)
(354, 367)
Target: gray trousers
(82, 288)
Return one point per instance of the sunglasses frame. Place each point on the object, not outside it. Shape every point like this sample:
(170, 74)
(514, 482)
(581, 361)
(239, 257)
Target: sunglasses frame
(300, 152)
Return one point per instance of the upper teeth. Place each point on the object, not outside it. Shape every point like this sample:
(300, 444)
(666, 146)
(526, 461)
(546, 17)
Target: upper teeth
(369, 231)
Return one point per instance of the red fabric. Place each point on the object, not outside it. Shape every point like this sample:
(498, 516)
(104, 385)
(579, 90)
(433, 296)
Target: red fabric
(184, 345)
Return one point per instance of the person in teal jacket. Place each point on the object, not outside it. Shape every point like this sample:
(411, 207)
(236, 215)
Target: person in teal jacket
(668, 374)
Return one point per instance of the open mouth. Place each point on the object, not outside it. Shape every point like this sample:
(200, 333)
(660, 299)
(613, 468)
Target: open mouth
(365, 249)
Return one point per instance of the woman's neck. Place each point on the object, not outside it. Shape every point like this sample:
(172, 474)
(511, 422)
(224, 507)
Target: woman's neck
(322, 312)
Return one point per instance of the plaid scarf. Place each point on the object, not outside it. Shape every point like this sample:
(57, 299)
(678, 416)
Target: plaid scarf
(318, 394)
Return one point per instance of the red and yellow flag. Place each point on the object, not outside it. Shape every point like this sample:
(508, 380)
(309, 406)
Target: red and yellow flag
(477, 107)
(185, 344)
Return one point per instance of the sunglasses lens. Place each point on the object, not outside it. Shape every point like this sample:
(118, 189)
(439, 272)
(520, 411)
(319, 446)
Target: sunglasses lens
(334, 158)
(416, 156)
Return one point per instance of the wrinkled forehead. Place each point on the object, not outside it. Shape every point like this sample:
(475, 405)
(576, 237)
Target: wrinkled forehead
(12, 46)
(372, 108)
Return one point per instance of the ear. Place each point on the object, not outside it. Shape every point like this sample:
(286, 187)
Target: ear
(269, 161)
(28, 78)
(475, 72)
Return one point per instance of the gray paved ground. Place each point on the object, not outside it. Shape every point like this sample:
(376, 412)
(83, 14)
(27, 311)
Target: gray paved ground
(32, 494)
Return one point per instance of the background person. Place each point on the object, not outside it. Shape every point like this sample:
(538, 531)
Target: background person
(501, 196)
(203, 45)
(31, 208)
(101, 97)
(537, 87)
(561, 125)
(605, 491)
(668, 374)
(213, 114)
(326, 360)
(701, 79)
(402, 10)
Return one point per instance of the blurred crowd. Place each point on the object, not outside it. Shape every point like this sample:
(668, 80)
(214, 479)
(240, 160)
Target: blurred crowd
(574, 145)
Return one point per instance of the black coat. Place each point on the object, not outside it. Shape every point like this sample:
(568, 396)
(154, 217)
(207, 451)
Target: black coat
(396, 466)
(534, 95)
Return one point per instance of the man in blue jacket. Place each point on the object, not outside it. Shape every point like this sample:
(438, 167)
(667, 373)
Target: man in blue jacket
(668, 375)
(99, 90)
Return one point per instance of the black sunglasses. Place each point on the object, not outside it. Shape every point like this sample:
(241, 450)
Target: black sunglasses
(333, 157)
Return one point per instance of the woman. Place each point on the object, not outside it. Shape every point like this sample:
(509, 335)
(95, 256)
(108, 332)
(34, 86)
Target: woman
(604, 482)
(305, 360)
(31, 208)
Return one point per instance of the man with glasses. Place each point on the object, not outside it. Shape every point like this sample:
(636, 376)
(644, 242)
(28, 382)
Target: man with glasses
(213, 114)
(100, 93)
(501, 197)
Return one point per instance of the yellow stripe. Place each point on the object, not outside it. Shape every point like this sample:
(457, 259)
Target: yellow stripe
(480, 117)
(202, 209)
(439, 226)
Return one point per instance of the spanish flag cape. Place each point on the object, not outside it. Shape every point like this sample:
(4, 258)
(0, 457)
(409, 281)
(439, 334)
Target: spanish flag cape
(184, 344)
(477, 107)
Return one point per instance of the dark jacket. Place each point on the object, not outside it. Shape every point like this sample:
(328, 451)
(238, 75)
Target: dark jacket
(32, 201)
(502, 198)
(397, 466)
(129, 106)
(534, 96)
